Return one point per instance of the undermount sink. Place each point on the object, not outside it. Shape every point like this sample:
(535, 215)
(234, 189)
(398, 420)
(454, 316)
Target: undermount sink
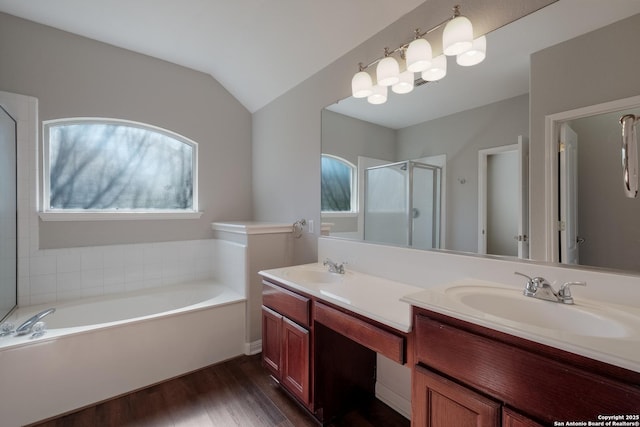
(312, 276)
(578, 319)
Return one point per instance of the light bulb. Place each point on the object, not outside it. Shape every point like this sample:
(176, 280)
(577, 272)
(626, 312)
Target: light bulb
(361, 85)
(457, 36)
(388, 71)
(379, 95)
(418, 55)
(437, 70)
(405, 85)
(475, 55)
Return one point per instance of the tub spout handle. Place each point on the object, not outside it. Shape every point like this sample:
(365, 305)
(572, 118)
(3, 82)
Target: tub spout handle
(26, 327)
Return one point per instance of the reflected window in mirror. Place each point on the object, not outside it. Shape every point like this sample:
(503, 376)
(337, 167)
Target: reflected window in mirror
(338, 185)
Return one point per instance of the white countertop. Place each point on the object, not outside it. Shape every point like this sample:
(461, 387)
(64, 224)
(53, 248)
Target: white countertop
(389, 302)
(621, 350)
(370, 296)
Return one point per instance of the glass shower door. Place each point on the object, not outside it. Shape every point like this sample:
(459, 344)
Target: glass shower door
(402, 204)
(386, 210)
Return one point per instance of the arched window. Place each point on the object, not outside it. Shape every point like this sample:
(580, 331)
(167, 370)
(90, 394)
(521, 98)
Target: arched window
(338, 185)
(94, 165)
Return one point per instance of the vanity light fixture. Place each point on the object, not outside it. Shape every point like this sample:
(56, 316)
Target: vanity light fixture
(437, 70)
(388, 70)
(475, 55)
(379, 95)
(405, 84)
(416, 57)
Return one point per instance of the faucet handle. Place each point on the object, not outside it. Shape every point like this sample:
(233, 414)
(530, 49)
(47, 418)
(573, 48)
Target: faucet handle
(531, 287)
(523, 275)
(533, 283)
(564, 294)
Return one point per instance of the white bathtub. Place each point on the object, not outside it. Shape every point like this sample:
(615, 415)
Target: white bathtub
(98, 348)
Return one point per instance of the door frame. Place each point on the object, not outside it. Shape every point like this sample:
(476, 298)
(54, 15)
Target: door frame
(522, 149)
(552, 136)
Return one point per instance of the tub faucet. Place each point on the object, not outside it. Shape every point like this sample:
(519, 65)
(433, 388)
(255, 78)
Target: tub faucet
(538, 287)
(334, 267)
(26, 327)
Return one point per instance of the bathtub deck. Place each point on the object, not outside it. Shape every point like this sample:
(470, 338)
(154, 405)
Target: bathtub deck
(234, 393)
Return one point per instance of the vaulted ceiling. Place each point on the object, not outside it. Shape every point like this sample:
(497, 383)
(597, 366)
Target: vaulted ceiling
(257, 49)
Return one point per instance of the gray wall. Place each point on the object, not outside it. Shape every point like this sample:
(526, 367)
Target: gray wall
(460, 136)
(286, 133)
(349, 138)
(73, 76)
(598, 67)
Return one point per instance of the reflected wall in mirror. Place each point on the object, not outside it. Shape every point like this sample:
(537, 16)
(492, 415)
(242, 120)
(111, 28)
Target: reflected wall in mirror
(597, 221)
(8, 209)
(456, 138)
(480, 108)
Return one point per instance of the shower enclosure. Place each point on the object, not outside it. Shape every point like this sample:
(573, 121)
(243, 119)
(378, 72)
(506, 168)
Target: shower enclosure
(402, 204)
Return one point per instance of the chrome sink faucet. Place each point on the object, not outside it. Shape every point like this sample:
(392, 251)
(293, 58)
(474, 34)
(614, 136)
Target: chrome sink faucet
(539, 287)
(334, 267)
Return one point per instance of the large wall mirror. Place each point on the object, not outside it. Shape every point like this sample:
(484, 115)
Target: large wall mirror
(8, 214)
(470, 131)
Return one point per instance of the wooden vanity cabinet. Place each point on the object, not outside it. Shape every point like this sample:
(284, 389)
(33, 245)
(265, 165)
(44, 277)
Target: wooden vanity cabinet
(286, 323)
(322, 354)
(482, 377)
(437, 401)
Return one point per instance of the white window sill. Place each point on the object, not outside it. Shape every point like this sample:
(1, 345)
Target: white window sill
(330, 214)
(116, 216)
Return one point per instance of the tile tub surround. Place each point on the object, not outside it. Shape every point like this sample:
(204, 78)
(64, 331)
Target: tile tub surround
(125, 355)
(61, 274)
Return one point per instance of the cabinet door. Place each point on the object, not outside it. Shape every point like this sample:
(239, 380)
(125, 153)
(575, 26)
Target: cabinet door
(295, 359)
(511, 418)
(271, 341)
(438, 402)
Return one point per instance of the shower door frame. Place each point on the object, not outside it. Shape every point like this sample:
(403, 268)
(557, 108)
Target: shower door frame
(409, 192)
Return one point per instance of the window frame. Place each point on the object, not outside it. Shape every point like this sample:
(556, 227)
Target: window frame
(354, 189)
(48, 214)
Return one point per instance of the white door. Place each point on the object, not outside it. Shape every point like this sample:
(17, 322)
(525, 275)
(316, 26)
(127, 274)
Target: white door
(503, 200)
(568, 224)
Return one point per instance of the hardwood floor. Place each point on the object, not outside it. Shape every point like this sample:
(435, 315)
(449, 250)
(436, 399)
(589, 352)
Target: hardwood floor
(238, 392)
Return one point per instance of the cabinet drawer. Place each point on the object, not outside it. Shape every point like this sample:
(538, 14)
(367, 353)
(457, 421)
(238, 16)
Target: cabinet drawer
(289, 304)
(366, 334)
(537, 385)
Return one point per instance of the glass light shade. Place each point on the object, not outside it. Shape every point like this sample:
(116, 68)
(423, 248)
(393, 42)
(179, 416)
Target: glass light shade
(379, 95)
(437, 70)
(361, 85)
(457, 36)
(418, 55)
(388, 71)
(475, 55)
(405, 85)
